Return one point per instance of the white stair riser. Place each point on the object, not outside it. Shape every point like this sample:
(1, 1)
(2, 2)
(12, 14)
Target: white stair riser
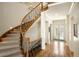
(16, 35)
(9, 52)
(5, 50)
(9, 43)
(16, 55)
(11, 39)
(15, 32)
(8, 47)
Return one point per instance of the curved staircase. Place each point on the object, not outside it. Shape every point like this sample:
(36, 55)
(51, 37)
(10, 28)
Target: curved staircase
(11, 42)
(10, 45)
(14, 44)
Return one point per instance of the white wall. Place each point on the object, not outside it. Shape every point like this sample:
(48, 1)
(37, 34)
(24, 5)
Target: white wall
(34, 31)
(11, 15)
(47, 32)
(43, 31)
(74, 44)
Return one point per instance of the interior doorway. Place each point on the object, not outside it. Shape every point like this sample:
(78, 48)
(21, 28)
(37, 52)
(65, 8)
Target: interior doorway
(58, 37)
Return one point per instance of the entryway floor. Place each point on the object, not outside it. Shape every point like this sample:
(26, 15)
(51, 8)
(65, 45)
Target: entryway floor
(55, 49)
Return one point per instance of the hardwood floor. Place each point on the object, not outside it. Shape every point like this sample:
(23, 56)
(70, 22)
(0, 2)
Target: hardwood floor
(50, 52)
(46, 53)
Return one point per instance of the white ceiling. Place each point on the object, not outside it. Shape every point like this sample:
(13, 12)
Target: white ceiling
(30, 4)
(60, 10)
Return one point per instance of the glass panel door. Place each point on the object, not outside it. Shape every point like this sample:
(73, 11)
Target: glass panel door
(58, 48)
(59, 41)
(55, 48)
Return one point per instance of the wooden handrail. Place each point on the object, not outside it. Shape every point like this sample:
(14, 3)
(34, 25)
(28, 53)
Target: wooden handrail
(19, 26)
(25, 24)
(30, 11)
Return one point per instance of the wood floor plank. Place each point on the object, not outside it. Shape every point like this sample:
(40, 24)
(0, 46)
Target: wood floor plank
(49, 52)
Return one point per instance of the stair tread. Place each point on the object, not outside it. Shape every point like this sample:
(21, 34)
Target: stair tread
(8, 47)
(13, 34)
(8, 42)
(16, 55)
(10, 38)
(14, 31)
(19, 55)
(5, 43)
(9, 52)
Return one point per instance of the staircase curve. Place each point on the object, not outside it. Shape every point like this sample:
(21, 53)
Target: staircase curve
(12, 42)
